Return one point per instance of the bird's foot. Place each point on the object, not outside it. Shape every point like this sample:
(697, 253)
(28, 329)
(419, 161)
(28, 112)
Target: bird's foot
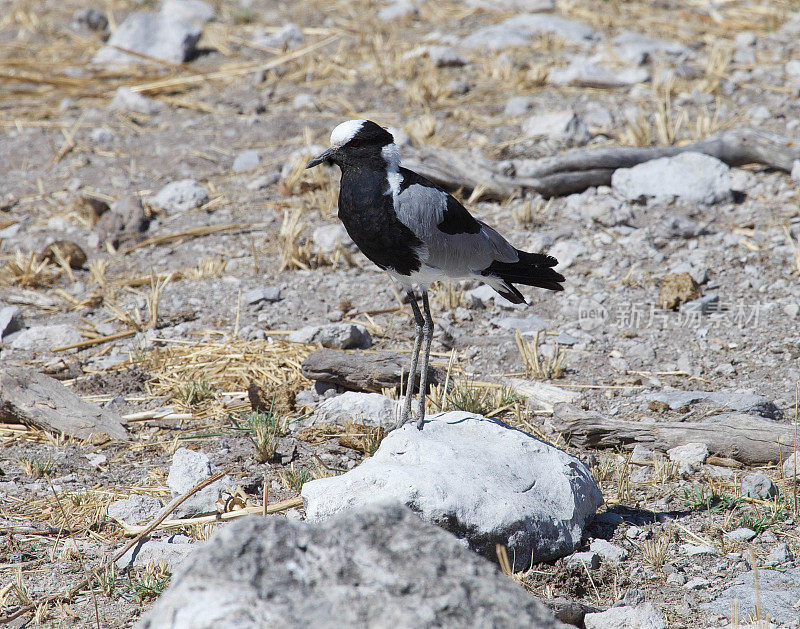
(420, 419)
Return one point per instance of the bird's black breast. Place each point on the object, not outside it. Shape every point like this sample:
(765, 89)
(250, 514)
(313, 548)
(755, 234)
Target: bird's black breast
(366, 209)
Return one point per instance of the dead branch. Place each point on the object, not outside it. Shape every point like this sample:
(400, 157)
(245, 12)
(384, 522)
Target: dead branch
(578, 169)
(746, 438)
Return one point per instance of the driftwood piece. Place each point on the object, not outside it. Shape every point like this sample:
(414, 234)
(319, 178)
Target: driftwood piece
(361, 372)
(578, 169)
(747, 438)
(31, 398)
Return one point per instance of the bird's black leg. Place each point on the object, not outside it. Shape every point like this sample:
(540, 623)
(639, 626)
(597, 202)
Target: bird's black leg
(427, 330)
(419, 322)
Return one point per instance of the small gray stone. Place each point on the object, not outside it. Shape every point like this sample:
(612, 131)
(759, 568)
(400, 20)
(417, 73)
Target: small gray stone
(516, 6)
(370, 409)
(689, 457)
(796, 171)
(567, 252)
(188, 468)
(676, 578)
(10, 320)
(171, 553)
(639, 49)
(476, 477)
(742, 534)
(518, 105)
(759, 485)
(444, 56)
(125, 99)
(583, 73)
(180, 196)
(290, 36)
(257, 295)
(150, 34)
(697, 583)
(607, 550)
(329, 238)
(780, 555)
(694, 550)
(90, 18)
(245, 161)
(561, 126)
(101, 135)
(526, 325)
(135, 509)
(692, 177)
(642, 454)
(264, 181)
(334, 335)
(589, 559)
(705, 305)
(195, 12)
(44, 337)
(789, 466)
(792, 68)
(397, 11)
(644, 616)
(522, 29)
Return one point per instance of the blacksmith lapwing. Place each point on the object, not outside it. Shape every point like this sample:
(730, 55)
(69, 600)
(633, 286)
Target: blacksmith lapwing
(418, 233)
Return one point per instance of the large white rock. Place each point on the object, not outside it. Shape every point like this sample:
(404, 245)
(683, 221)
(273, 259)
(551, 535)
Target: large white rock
(370, 409)
(582, 72)
(522, 29)
(152, 35)
(689, 176)
(484, 481)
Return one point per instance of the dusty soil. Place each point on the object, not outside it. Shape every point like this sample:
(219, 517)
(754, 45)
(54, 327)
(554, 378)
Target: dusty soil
(49, 162)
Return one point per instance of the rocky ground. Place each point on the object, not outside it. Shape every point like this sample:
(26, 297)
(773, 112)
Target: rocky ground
(195, 260)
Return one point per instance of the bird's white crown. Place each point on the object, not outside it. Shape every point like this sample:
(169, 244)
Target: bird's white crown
(345, 132)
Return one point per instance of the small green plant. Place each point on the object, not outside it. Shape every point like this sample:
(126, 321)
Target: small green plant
(195, 392)
(481, 400)
(710, 501)
(107, 580)
(295, 478)
(757, 523)
(146, 583)
(37, 467)
(266, 429)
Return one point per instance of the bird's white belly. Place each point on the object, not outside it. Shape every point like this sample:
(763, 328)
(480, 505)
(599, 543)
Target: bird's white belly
(423, 277)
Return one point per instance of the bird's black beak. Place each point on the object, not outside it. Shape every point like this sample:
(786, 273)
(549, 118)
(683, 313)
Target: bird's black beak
(327, 156)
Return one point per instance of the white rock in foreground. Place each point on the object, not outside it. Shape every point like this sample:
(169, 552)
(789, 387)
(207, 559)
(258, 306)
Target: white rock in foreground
(188, 468)
(689, 176)
(476, 477)
(379, 566)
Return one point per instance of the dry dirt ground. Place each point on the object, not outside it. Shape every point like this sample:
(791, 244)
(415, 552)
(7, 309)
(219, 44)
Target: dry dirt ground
(179, 292)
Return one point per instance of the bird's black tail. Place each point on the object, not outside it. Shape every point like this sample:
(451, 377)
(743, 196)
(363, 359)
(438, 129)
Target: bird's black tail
(532, 269)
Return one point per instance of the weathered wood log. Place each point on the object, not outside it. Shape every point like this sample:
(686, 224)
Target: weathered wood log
(34, 399)
(747, 438)
(361, 372)
(578, 169)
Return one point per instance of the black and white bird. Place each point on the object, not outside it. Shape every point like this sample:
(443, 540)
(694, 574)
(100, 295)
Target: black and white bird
(419, 234)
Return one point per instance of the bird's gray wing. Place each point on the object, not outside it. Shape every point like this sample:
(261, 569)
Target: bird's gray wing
(455, 242)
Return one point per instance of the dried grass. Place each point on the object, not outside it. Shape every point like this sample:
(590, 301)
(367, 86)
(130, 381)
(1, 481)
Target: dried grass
(541, 367)
(225, 366)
